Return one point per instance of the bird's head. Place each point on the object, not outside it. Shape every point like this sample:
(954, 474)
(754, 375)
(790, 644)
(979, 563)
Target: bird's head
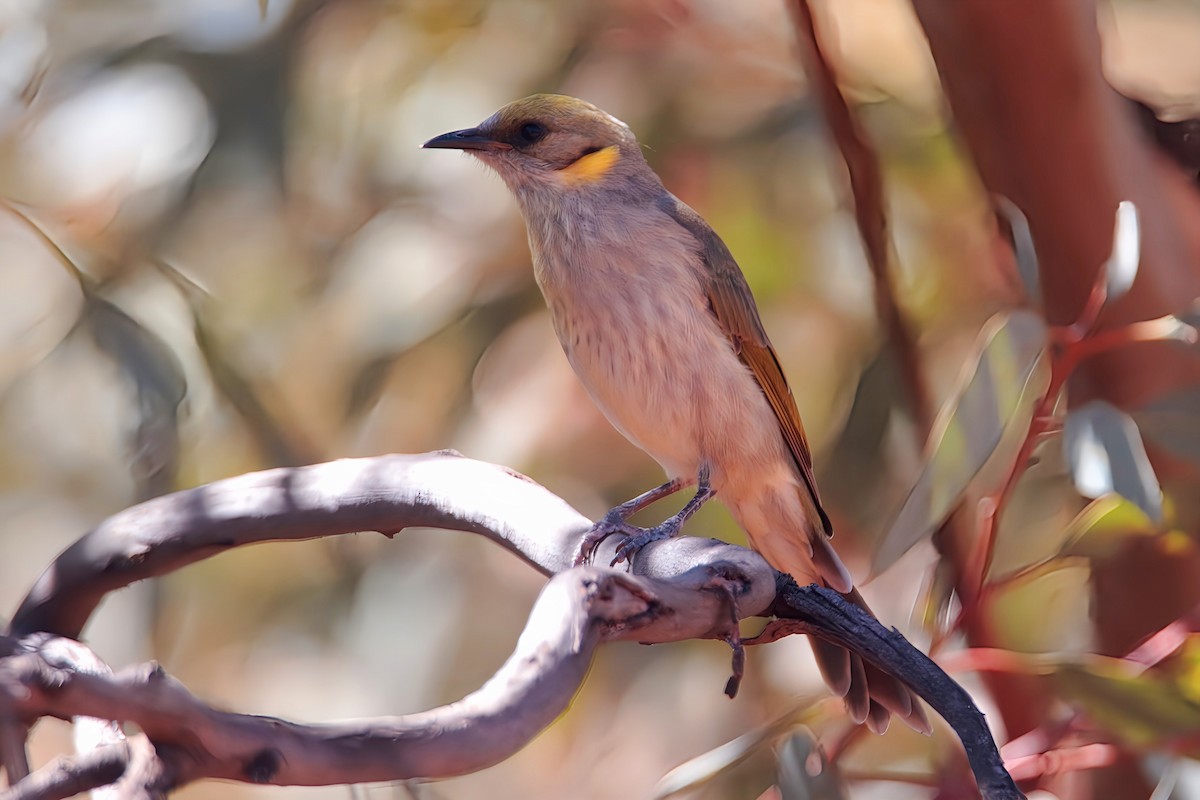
(552, 143)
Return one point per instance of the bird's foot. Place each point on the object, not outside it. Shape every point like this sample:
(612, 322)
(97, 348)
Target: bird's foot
(632, 545)
(613, 524)
(633, 538)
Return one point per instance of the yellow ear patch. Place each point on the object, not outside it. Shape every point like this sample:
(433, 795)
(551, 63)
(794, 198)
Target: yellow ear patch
(592, 167)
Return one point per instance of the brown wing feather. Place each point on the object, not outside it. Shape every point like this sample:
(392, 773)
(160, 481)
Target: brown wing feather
(870, 694)
(733, 306)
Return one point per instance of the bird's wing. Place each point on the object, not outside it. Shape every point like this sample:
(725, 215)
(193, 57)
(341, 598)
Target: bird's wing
(732, 304)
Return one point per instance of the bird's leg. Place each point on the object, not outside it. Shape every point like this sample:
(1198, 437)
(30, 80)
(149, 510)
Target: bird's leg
(669, 527)
(614, 521)
(729, 582)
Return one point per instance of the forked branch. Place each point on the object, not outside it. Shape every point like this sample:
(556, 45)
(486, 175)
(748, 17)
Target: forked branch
(678, 589)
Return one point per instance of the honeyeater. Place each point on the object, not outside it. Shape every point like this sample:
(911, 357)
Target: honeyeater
(659, 324)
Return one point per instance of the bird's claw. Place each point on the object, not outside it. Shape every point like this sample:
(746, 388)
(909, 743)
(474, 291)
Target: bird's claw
(611, 525)
(634, 542)
(633, 539)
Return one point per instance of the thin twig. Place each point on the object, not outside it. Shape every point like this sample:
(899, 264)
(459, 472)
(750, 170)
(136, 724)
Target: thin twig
(853, 627)
(68, 776)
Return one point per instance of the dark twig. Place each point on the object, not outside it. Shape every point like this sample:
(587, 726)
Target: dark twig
(824, 610)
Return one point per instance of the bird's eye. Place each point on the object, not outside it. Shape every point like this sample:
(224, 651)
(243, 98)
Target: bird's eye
(530, 132)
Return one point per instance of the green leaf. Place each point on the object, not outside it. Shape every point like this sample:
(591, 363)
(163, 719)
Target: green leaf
(707, 766)
(1045, 610)
(855, 467)
(1121, 268)
(804, 771)
(1140, 708)
(159, 380)
(1106, 454)
(992, 408)
(1098, 530)
(1185, 668)
(1024, 251)
(934, 603)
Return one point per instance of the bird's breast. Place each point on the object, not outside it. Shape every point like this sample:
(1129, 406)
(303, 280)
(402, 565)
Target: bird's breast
(634, 321)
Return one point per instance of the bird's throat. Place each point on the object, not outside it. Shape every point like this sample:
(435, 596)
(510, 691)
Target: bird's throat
(591, 167)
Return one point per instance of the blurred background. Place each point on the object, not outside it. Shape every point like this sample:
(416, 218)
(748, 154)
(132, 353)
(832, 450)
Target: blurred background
(221, 250)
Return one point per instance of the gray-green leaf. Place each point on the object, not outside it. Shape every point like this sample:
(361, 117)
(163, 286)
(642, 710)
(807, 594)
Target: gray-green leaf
(160, 384)
(1122, 266)
(804, 772)
(994, 405)
(1106, 454)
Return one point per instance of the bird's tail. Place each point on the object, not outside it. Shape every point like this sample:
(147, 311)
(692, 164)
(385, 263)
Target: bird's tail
(871, 695)
(782, 524)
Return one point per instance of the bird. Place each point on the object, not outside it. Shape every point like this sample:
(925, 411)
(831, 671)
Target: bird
(659, 324)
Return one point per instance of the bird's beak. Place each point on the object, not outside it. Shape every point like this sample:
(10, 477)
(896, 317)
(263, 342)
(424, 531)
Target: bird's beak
(466, 139)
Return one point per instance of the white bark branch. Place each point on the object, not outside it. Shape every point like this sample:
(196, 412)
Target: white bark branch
(679, 589)
(577, 610)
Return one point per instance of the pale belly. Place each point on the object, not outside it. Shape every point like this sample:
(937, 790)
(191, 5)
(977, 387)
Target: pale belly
(663, 373)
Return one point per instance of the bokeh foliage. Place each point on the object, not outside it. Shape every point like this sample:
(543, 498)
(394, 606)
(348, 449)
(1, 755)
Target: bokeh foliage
(221, 250)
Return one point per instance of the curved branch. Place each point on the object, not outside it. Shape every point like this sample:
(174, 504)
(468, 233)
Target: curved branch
(576, 611)
(385, 494)
(68, 776)
(679, 589)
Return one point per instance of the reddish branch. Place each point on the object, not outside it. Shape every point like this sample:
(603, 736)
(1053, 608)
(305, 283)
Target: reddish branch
(866, 185)
(866, 182)
(1024, 82)
(1049, 134)
(679, 589)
